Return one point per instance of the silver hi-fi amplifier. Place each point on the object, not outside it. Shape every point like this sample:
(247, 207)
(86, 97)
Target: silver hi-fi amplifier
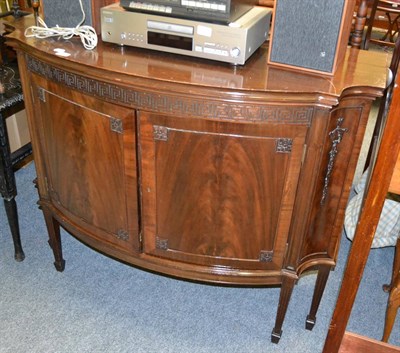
(232, 43)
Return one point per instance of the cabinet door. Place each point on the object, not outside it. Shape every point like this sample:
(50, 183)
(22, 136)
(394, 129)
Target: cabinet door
(218, 193)
(90, 163)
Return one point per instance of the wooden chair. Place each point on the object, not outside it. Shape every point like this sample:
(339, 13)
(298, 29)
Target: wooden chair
(387, 234)
(394, 287)
(388, 228)
(391, 9)
(382, 166)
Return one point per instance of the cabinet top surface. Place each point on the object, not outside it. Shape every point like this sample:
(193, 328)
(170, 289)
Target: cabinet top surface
(361, 69)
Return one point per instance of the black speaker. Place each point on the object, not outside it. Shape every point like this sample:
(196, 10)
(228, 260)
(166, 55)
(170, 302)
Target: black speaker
(66, 13)
(310, 35)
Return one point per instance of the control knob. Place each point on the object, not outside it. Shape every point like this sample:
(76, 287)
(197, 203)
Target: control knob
(235, 52)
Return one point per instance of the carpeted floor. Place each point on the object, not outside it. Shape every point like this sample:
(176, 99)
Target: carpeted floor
(100, 305)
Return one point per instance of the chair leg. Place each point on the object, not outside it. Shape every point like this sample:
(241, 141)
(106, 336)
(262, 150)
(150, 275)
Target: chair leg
(394, 295)
(392, 28)
(396, 268)
(369, 27)
(391, 310)
(12, 216)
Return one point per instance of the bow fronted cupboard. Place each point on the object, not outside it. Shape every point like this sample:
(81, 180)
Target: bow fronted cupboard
(197, 169)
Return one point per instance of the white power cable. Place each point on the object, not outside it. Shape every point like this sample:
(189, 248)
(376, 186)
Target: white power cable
(87, 34)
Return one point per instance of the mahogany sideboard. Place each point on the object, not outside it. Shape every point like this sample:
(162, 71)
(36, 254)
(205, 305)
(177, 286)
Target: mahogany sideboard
(196, 169)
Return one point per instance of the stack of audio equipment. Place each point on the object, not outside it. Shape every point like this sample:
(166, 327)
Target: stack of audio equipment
(223, 30)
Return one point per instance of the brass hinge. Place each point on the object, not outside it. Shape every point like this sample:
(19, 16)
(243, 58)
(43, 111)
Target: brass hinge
(42, 94)
(303, 157)
(140, 241)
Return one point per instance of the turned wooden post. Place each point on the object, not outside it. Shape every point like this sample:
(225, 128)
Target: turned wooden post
(356, 37)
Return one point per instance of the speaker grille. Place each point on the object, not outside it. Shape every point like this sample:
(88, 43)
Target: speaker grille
(66, 13)
(306, 33)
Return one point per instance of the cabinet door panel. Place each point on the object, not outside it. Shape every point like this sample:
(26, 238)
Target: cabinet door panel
(91, 164)
(217, 194)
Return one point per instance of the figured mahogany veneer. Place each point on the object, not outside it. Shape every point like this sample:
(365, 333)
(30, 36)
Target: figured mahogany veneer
(197, 169)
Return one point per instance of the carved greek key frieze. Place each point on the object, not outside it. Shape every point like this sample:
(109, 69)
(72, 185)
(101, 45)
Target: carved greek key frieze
(160, 133)
(171, 104)
(266, 256)
(336, 136)
(284, 145)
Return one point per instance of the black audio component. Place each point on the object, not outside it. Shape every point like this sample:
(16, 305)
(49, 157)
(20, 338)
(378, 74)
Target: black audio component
(219, 11)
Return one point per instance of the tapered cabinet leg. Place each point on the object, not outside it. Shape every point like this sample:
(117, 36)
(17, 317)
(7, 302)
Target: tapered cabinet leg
(53, 229)
(288, 283)
(12, 216)
(322, 279)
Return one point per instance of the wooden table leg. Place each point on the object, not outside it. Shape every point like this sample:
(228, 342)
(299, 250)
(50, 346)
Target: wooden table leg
(356, 38)
(12, 216)
(322, 278)
(53, 228)
(284, 298)
(8, 189)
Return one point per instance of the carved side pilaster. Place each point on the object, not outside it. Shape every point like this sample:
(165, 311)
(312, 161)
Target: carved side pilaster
(336, 136)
